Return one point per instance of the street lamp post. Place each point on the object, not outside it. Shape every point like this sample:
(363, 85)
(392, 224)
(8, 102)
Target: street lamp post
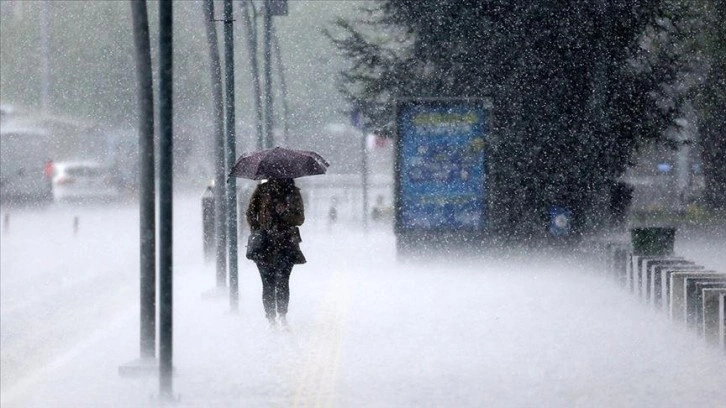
(272, 8)
(231, 155)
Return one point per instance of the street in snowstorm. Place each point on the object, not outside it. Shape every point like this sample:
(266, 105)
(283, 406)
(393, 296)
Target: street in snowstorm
(483, 203)
(503, 329)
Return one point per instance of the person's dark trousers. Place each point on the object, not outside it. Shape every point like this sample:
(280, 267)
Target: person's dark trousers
(275, 287)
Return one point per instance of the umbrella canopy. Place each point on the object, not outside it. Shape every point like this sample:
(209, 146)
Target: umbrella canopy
(277, 163)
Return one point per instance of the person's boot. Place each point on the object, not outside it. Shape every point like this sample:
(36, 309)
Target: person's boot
(283, 323)
(271, 324)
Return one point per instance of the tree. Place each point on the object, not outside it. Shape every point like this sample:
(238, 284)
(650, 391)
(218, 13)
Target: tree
(692, 38)
(711, 101)
(570, 107)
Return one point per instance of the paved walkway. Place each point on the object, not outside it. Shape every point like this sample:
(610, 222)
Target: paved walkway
(369, 331)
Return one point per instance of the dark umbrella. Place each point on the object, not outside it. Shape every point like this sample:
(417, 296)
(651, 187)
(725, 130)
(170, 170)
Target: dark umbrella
(277, 163)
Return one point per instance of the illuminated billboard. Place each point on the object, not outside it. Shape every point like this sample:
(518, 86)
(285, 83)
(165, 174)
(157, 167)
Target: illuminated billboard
(441, 165)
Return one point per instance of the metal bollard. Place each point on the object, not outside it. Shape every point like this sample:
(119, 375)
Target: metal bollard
(208, 227)
(75, 225)
(694, 297)
(678, 296)
(620, 264)
(333, 212)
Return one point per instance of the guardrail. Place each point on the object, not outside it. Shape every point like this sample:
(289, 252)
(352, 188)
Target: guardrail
(681, 289)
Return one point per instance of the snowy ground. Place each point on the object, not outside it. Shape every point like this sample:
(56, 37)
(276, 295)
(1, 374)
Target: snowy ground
(367, 329)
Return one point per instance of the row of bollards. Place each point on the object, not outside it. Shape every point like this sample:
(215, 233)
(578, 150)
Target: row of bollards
(681, 289)
(6, 224)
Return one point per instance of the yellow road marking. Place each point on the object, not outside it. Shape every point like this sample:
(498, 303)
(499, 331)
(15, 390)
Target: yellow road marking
(319, 373)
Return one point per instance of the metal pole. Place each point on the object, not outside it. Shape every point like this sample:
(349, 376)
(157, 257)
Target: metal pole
(251, 34)
(267, 21)
(220, 215)
(231, 154)
(283, 85)
(364, 180)
(45, 58)
(165, 197)
(147, 196)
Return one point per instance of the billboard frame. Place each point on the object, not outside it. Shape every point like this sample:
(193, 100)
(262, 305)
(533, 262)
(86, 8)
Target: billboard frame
(407, 234)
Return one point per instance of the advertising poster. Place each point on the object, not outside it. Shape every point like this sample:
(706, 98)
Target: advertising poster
(441, 165)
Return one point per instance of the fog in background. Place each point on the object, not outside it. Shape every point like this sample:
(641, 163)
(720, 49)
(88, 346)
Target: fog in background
(90, 57)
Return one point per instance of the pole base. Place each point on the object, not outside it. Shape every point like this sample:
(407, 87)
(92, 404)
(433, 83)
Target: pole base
(218, 292)
(141, 367)
(166, 399)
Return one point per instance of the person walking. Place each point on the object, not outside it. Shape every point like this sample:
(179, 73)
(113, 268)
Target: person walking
(275, 212)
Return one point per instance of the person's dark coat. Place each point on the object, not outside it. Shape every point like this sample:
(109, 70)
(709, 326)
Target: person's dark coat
(276, 207)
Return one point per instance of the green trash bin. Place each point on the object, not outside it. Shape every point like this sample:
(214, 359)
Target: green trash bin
(653, 241)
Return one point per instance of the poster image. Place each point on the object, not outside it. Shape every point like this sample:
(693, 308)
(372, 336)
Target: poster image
(441, 165)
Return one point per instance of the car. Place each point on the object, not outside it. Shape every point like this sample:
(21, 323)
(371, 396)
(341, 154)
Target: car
(24, 165)
(83, 181)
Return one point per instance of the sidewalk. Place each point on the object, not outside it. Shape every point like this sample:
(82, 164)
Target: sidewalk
(368, 331)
